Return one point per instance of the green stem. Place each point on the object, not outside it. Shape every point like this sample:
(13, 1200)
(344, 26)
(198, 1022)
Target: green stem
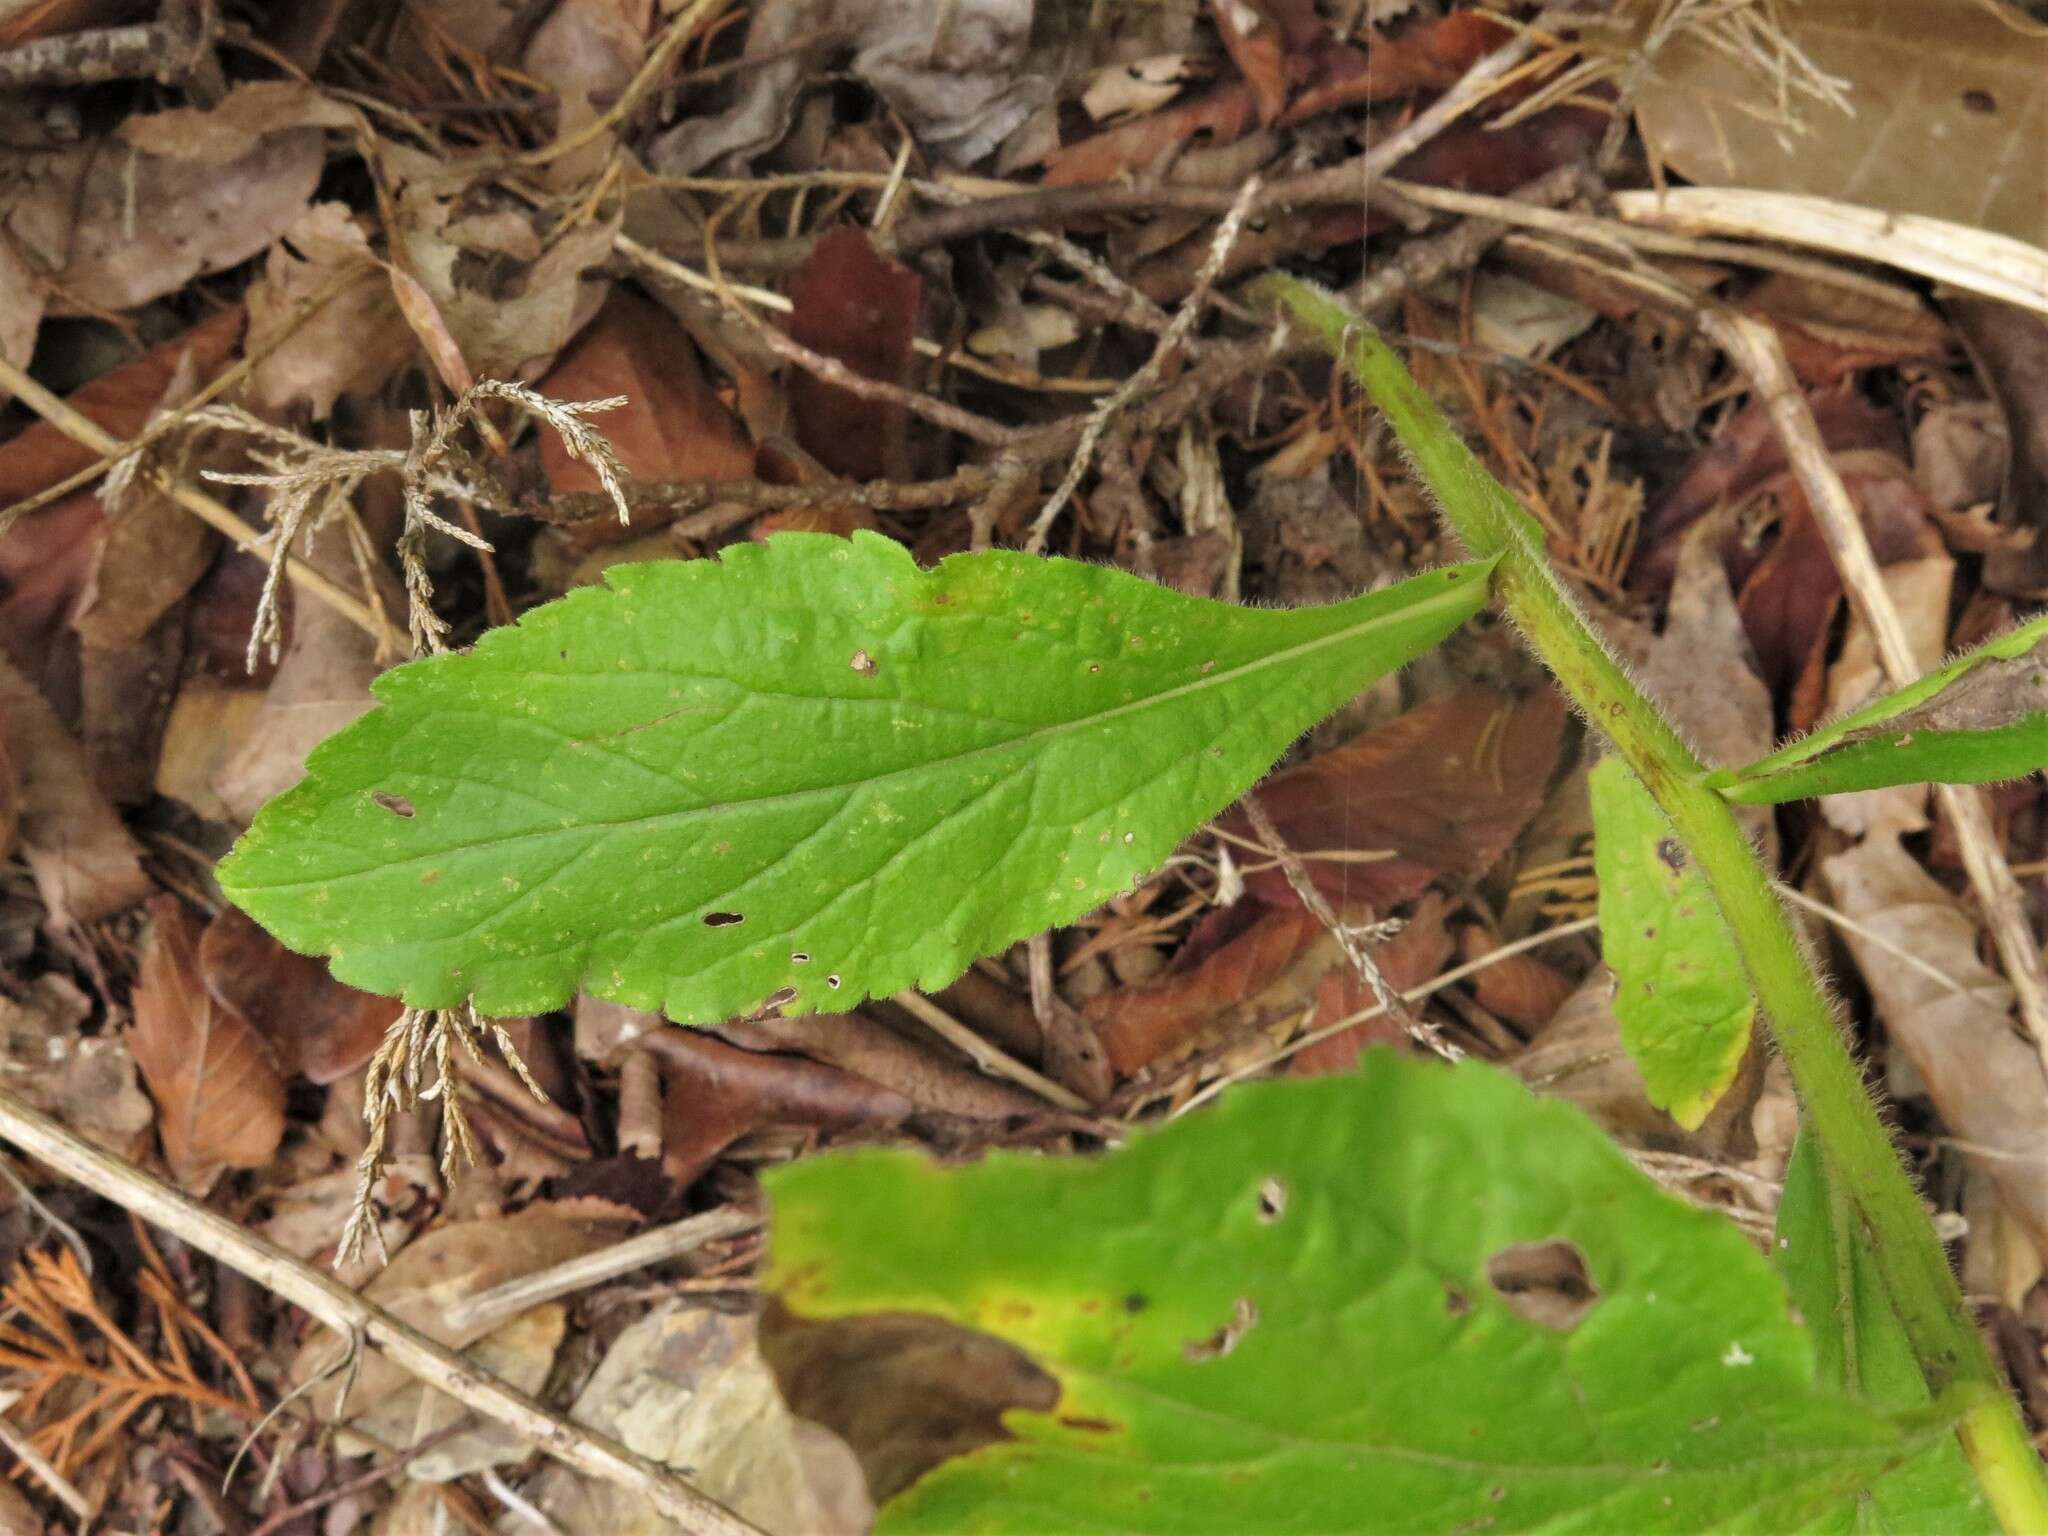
(1837, 1106)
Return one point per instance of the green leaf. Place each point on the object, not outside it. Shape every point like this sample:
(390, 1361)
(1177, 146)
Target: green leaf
(1981, 718)
(804, 773)
(1860, 1346)
(1281, 1317)
(1681, 994)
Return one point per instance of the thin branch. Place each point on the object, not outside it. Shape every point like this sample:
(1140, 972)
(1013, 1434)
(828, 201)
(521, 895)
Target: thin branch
(353, 1317)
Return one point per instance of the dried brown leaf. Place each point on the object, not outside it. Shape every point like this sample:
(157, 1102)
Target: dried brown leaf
(218, 1092)
(116, 227)
(717, 1093)
(85, 864)
(355, 341)
(1947, 106)
(320, 1029)
(673, 425)
(851, 303)
(1443, 788)
(86, 1081)
(1951, 1014)
(1276, 954)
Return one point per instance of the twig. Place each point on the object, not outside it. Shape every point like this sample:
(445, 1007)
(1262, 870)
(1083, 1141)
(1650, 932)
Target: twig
(991, 1058)
(1756, 350)
(1169, 341)
(165, 50)
(1299, 881)
(65, 1491)
(356, 1318)
(84, 430)
(686, 496)
(484, 1311)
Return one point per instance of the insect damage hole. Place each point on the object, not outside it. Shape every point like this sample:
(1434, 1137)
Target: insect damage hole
(1544, 1283)
(1243, 1315)
(1272, 1200)
(723, 919)
(863, 663)
(397, 805)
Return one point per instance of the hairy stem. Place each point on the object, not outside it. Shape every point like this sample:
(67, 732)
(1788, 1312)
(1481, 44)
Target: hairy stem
(1832, 1095)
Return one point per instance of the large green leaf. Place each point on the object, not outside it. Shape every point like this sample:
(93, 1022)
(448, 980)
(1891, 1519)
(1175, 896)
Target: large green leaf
(804, 773)
(1861, 1347)
(1981, 718)
(1681, 994)
(1282, 1316)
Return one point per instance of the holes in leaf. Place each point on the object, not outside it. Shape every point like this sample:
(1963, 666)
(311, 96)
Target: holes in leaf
(1272, 1200)
(1982, 103)
(1544, 1283)
(781, 997)
(863, 663)
(723, 919)
(1243, 1316)
(1672, 852)
(832, 982)
(798, 957)
(397, 805)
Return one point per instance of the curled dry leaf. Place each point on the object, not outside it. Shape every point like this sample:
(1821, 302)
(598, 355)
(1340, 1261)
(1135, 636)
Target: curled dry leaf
(855, 1043)
(717, 1093)
(218, 1092)
(320, 1029)
(1443, 789)
(85, 864)
(1951, 1014)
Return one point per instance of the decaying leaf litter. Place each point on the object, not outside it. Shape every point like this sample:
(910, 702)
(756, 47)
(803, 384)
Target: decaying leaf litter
(933, 273)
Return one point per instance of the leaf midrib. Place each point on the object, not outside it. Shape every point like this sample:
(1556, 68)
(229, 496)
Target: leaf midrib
(1033, 738)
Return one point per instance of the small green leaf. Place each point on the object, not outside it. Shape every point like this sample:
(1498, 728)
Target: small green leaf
(1981, 718)
(804, 773)
(1323, 1307)
(1681, 994)
(1860, 1347)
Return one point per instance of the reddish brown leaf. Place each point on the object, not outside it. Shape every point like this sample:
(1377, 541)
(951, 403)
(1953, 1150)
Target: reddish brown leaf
(1743, 457)
(716, 1093)
(218, 1092)
(1145, 146)
(1522, 989)
(1427, 57)
(672, 427)
(319, 1028)
(852, 304)
(1259, 47)
(1444, 789)
(1140, 1025)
